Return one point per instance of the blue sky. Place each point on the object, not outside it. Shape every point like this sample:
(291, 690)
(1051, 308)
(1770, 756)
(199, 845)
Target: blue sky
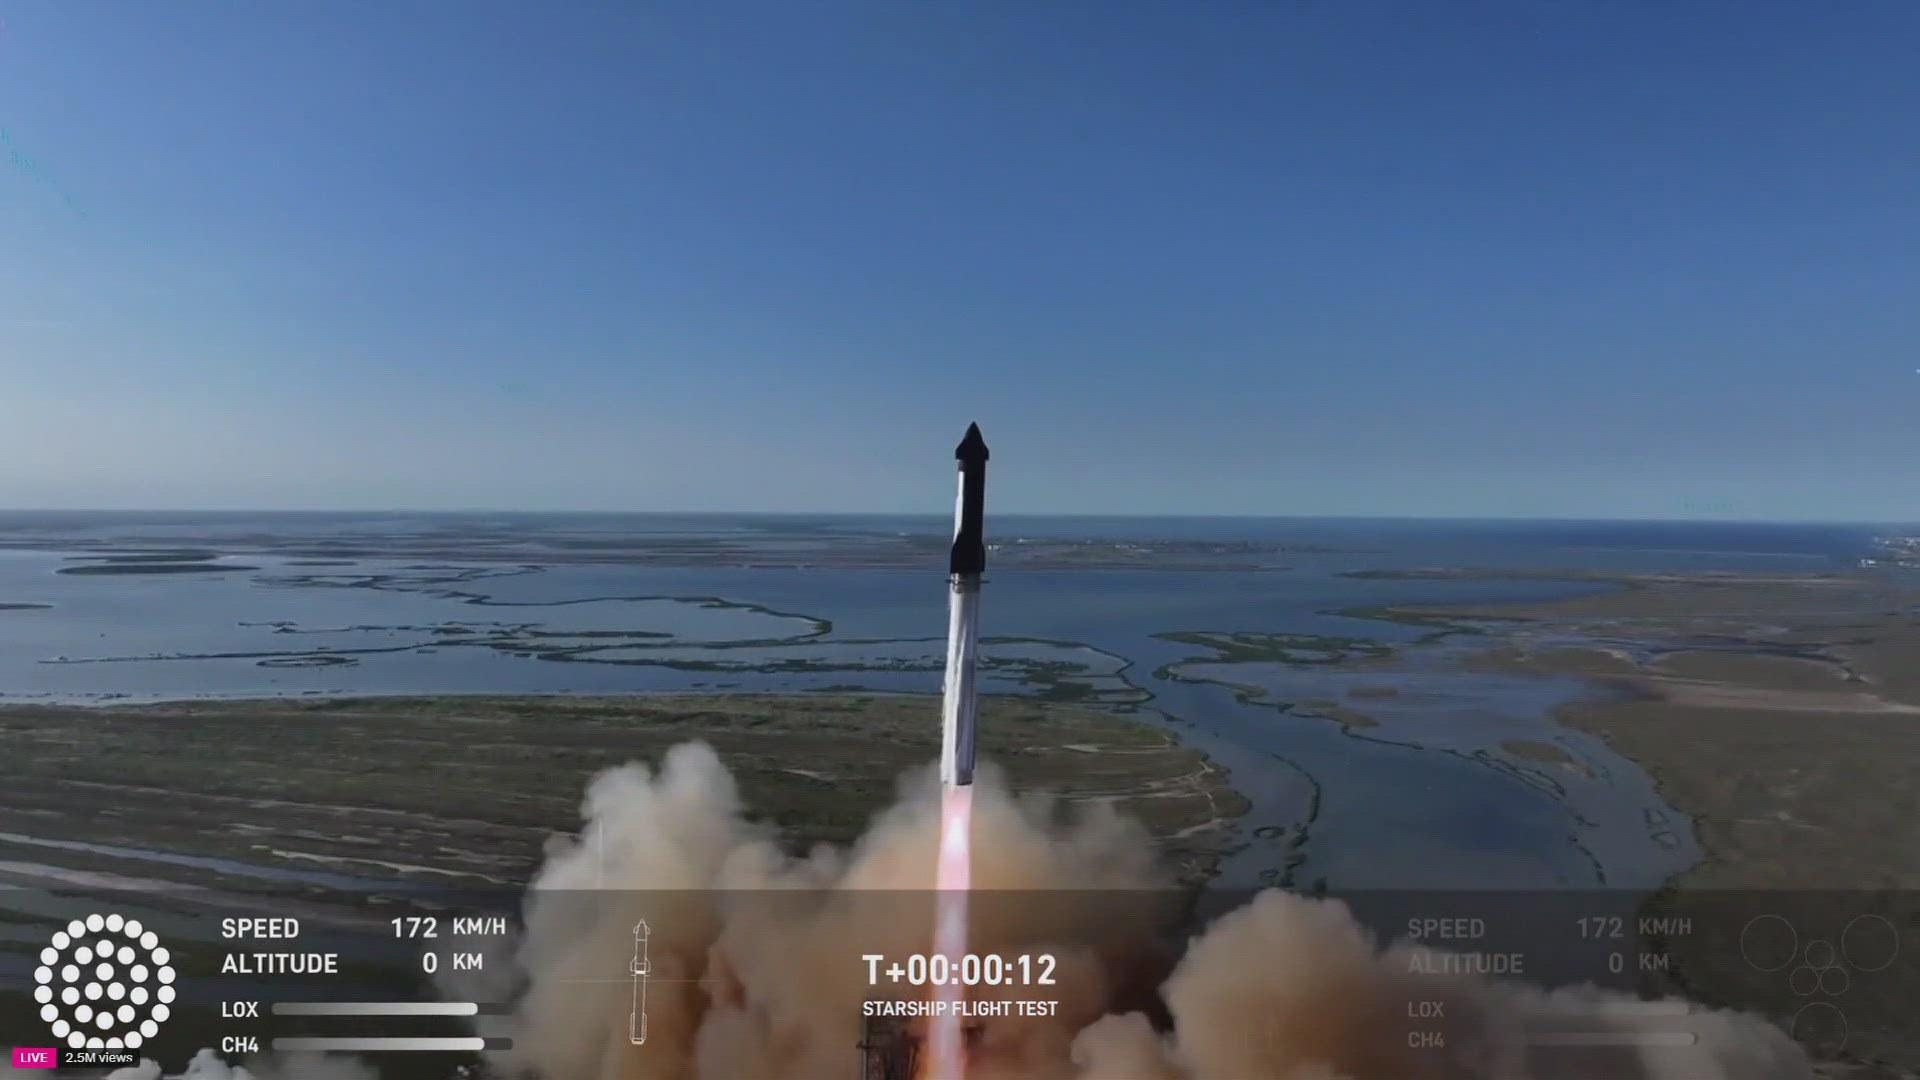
(1570, 259)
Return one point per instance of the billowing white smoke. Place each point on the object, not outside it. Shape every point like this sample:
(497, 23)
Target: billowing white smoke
(757, 973)
(756, 970)
(755, 955)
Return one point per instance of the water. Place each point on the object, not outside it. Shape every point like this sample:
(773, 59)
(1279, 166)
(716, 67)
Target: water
(1430, 796)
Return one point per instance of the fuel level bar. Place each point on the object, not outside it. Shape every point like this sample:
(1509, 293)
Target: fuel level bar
(1613, 1038)
(376, 1008)
(1660, 1007)
(353, 1045)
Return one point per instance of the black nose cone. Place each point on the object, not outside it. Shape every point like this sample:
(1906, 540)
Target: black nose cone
(972, 449)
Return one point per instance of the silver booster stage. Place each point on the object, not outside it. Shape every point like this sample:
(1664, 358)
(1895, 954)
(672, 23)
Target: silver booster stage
(964, 567)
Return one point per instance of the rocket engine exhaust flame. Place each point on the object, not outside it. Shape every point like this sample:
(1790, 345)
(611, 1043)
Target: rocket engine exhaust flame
(946, 1054)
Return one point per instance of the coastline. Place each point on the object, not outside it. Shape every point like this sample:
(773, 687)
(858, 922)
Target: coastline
(462, 789)
(1781, 713)
(1810, 683)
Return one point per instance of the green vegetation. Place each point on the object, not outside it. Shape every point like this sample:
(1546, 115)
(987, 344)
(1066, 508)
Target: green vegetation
(1240, 647)
(1545, 753)
(1237, 647)
(1333, 710)
(473, 785)
(1442, 625)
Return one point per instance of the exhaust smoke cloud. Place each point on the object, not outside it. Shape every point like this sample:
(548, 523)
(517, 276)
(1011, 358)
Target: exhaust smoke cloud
(758, 973)
(756, 969)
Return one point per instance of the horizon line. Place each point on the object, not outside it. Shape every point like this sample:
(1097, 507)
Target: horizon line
(932, 514)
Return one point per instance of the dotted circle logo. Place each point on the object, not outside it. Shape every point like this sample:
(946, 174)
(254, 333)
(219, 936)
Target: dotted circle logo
(104, 983)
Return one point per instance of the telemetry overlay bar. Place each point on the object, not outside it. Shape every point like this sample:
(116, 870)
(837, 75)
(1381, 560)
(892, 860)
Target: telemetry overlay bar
(375, 1008)
(364, 1045)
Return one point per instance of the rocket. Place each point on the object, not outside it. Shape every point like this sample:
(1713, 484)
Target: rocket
(640, 968)
(964, 567)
